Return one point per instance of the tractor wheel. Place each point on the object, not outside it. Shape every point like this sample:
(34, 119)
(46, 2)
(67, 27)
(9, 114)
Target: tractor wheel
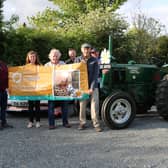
(118, 110)
(162, 99)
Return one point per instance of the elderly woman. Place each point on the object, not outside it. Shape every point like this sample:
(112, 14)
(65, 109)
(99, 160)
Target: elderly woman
(54, 57)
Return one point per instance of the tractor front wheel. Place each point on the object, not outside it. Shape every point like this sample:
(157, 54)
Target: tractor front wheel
(118, 110)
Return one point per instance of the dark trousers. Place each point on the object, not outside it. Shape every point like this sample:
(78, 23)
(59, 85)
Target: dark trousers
(3, 106)
(64, 108)
(34, 110)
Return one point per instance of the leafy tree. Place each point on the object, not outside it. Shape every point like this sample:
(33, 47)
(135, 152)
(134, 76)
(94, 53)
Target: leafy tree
(162, 48)
(98, 26)
(143, 37)
(73, 7)
(49, 19)
(1, 15)
(1, 32)
(80, 21)
(62, 29)
(11, 24)
(68, 12)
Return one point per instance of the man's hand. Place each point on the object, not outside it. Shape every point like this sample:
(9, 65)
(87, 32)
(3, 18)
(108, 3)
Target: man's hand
(90, 91)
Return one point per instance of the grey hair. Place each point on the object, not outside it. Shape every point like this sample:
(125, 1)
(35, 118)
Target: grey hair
(54, 51)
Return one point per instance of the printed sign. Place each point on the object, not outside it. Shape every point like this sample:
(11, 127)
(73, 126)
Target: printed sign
(69, 80)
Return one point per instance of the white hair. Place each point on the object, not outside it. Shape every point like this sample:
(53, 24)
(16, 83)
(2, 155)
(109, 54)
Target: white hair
(53, 52)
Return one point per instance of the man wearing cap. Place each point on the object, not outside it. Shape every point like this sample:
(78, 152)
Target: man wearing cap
(93, 71)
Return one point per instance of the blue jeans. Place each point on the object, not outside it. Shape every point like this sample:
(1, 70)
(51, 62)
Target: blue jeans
(64, 108)
(3, 106)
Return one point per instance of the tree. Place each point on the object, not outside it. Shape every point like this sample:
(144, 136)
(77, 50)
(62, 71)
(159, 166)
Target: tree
(98, 25)
(1, 15)
(78, 21)
(143, 37)
(162, 48)
(11, 24)
(68, 12)
(58, 28)
(1, 25)
(48, 19)
(73, 7)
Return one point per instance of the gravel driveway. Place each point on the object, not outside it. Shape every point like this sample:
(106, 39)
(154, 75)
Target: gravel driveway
(143, 145)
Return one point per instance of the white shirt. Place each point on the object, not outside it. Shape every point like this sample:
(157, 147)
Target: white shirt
(51, 64)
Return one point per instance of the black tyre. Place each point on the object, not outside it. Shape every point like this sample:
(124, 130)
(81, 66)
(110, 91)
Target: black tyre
(162, 99)
(118, 110)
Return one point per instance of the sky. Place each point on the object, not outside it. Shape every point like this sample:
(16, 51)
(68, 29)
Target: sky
(24, 8)
(157, 9)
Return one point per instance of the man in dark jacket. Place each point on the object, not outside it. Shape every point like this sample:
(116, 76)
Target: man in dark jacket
(93, 71)
(72, 56)
(72, 59)
(3, 95)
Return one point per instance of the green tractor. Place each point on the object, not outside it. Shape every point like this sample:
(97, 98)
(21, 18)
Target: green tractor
(127, 89)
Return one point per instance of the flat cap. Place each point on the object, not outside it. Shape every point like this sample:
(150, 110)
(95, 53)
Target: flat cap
(85, 45)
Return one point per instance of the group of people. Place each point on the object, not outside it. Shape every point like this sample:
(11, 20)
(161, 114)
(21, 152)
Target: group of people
(90, 57)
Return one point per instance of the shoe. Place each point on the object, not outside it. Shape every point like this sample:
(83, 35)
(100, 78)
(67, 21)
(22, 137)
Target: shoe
(67, 125)
(81, 127)
(38, 125)
(30, 125)
(51, 127)
(98, 129)
(7, 126)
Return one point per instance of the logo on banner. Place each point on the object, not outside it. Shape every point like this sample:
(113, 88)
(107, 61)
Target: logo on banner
(16, 77)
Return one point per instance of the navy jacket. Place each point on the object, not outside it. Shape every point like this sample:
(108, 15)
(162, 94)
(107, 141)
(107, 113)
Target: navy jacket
(93, 71)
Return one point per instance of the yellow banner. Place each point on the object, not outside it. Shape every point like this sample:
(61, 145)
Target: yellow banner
(62, 80)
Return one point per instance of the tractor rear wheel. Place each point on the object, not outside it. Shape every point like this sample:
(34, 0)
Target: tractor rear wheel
(162, 99)
(118, 110)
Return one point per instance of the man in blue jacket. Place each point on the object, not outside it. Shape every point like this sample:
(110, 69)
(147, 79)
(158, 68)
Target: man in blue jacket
(93, 72)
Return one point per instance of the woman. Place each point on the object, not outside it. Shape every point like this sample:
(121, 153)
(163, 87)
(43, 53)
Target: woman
(33, 59)
(54, 57)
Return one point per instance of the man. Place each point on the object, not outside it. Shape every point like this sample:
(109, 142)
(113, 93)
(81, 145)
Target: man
(71, 60)
(3, 95)
(72, 56)
(93, 71)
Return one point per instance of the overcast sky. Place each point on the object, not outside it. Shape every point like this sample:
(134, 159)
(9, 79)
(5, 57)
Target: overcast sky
(157, 9)
(24, 8)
